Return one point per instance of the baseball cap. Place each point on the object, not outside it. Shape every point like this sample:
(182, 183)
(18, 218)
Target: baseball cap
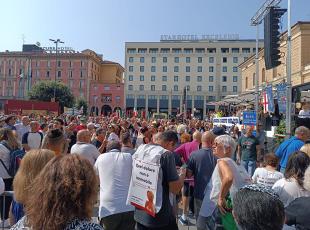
(218, 131)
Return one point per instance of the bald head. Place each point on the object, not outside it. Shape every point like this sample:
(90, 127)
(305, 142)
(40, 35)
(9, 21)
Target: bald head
(197, 136)
(207, 139)
(83, 136)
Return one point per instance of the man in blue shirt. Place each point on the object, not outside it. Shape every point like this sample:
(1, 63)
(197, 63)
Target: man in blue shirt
(302, 134)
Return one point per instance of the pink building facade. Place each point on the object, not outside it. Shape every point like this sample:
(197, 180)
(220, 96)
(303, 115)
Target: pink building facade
(85, 73)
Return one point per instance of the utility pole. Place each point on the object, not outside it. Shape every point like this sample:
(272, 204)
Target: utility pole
(56, 64)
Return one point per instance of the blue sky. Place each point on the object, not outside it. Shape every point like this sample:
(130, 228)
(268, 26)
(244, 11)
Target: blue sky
(104, 26)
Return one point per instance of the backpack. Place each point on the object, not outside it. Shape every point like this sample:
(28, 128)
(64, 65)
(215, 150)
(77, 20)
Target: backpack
(16, 156)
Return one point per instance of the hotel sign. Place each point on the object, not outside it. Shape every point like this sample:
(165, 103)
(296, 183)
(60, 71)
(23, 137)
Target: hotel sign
(52, 49)
(195, 37)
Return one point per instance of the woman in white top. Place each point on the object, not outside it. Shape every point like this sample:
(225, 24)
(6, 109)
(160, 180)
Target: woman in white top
(8, 142)
(227, 179)
(291, 187)
(268, 175)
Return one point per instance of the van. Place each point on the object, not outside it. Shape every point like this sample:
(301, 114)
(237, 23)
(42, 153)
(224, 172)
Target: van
(227, 121)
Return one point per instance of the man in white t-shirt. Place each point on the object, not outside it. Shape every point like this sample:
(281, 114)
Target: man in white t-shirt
(114, 169)
(84, 148)
(22, 128)
(33, 138)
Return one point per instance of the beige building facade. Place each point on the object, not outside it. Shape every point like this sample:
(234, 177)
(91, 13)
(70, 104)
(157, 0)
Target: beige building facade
(300, 63)
(156, 73)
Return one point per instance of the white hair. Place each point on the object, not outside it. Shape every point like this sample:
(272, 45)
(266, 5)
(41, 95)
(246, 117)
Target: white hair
(307, 179)
(227, 142)
(181, 129)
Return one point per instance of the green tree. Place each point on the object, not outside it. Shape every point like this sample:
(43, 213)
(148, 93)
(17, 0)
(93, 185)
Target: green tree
(81, 102)
(44, 91)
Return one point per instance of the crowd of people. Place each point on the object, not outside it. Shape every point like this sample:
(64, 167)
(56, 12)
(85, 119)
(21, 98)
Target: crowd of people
(149, 174)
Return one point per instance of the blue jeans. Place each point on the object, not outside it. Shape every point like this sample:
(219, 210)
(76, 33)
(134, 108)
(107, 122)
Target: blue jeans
(249, 166)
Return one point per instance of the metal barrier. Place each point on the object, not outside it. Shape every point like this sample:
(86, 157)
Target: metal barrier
(3, 195)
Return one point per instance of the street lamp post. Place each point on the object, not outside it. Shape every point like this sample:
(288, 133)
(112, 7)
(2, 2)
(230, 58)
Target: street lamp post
(56, 43)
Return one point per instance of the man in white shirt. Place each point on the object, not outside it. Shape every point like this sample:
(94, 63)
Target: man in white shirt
(84, 148)
(33, 138)
(22, 128)
(114, 169)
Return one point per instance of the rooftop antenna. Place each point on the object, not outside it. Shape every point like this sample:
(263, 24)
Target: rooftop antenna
(23, 38)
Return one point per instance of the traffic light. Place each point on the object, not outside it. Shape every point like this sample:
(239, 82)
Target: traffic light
(272, 37)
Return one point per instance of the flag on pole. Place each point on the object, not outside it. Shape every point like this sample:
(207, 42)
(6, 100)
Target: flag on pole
(265, 101)
(135, 112)
(270, 98)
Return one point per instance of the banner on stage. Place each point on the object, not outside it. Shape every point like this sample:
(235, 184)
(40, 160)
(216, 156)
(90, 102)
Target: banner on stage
(249, 118)
(144, 186)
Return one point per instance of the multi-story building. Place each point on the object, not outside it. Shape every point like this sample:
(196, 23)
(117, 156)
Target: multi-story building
(300, 63)
(157, 73)
(90, 77)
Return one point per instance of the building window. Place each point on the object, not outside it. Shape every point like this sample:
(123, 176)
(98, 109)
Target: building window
(164, 88)
(187, 78)
(152, 87)
(253, 79)
(153, 59)
(70, 73)
(106, 88)
(164, 59)
(188, 51)
(130, 59)
(59, 74)
(235, 69)
(70, 64)
(199, 88)
(263, 75)
(153, 69)
(48, 63)
(224, 59)
(235, 78)
(224, 79)
(211, 69)
(199, 69)
(141, 87)
(165, 69)
(235, 50)
(142, 50)
(141, 77)
(188, 88)
(224, 88)
(224, 68)
(210, 88)
(130, 68)
(130, 87)
(71, 82)
(199, 78)
(176, 50)
(211, 78)
(153, 78)
(153, 51)
(10, 72)
(81, 84)
(246, 50)
(187, 69)
(235, 89)
(47, 73)
(176, 60)
(81, 74)
(176, 69)
(188, 60)
(141, 68)
(164, 78)
(176, 78)
(199, 59)
(130, 77)
(225, 50)
(59, 63)
(211, 59)
(141, 59)
(175, 88)
(118, 98)
(131, 51)
(235, 59)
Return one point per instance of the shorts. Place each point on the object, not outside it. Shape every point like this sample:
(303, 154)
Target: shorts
(187, 190)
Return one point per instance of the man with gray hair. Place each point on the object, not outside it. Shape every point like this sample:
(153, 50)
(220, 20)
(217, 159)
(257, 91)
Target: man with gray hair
(284, 151)
(114, 170)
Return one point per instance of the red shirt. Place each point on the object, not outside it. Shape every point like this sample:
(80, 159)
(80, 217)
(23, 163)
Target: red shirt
(186, 149)
(81, 127)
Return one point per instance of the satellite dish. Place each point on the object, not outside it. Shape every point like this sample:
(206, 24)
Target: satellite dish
(38, 44)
